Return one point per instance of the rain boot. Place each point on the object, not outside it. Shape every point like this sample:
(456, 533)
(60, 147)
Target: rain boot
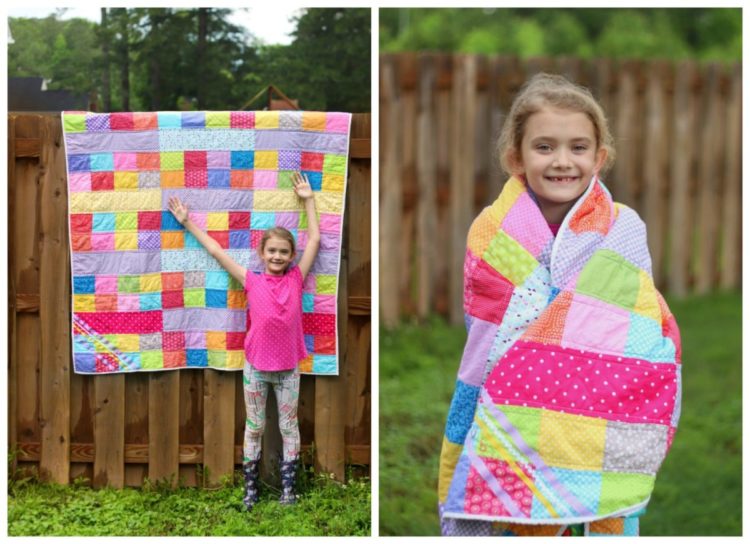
(251, 471)
(288, 471)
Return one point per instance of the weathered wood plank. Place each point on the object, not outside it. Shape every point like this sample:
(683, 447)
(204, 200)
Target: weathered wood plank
(163, 425)
(731, 263)
(218, 425)
(54, 312)
(109, 431)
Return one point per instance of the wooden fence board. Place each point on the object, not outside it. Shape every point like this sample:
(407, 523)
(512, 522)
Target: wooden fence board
(12, 304)
(109, 431)
(218, 425)
(732, 205)
(54, 313)
(163, 426)
(711, 138)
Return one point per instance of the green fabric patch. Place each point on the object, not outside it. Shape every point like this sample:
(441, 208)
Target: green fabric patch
(126, 221)
(621, 490)
(152, 359)
(510, 258)
(129, 284)
(74, 123)
(609, 277)
(172, 160)
(284, 179)
(217, 359)
(325, 284)
(217, 119)
(195, 298)
(334, 164)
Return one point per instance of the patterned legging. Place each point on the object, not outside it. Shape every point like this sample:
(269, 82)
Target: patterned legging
(286, 388)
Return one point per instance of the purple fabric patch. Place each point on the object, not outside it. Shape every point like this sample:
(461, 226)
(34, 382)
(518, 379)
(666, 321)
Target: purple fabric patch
(97, 123)
(289, 160)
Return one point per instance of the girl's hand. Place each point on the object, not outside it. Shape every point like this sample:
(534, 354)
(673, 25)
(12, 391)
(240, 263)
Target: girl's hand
(178, 209)
(302, 186)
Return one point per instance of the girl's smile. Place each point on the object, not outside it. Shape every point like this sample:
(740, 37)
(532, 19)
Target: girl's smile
(558, 158)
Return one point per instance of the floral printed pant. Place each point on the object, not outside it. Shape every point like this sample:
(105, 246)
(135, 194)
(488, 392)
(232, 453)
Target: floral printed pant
(286, 388)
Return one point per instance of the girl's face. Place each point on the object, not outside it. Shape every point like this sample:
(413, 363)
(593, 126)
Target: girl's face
(558, 157)
(277, 254)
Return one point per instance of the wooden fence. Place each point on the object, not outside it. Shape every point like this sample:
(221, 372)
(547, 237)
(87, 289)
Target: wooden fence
(119, 429)
(677, 129)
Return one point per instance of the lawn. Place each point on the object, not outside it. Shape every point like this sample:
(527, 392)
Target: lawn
(699, 488)
(325, 508)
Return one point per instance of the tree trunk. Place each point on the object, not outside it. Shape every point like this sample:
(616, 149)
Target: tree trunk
(105, 37)
(124, 57)
(201, 56)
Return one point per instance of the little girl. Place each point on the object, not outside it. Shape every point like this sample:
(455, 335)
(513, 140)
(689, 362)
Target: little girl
(568, 393)
(274, 344)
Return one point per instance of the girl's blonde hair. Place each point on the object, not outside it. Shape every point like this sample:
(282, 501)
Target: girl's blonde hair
(550, 90)
(276, 232)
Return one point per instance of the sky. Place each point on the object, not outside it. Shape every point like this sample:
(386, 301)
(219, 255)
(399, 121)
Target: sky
(269, 22)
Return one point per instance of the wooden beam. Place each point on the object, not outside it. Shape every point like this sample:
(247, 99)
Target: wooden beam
(28, 148)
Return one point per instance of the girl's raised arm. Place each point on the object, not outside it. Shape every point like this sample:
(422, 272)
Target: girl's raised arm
(304, 191)
(180, 211)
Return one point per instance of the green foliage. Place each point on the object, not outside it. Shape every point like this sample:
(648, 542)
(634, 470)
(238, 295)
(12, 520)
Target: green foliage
(174, 62)
(418, 366)
(703, 33)
(324, 508)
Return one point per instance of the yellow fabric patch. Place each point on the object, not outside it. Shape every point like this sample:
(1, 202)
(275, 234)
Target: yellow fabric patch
(217, 221)
(266, 160)
(235, 359)
(266, 119)
(280, 201)
(106, 201)
(127, 342)
(217, 119)
(151, 283)
(448, 459)
(126, 240)
(84, 303)
(126, 181)
(513, 188)
(482, 230)
(647, 303)
(333, 182)
(572, 441)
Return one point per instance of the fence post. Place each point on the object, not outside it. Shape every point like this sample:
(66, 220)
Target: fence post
(732, 214)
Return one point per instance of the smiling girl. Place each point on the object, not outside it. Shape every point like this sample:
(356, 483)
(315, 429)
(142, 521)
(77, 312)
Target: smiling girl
(274, 344)
(568, 393)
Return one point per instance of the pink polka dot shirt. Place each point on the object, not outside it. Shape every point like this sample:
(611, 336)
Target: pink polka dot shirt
(274, 340)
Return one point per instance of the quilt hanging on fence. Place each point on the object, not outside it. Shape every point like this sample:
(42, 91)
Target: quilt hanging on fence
(146, 296)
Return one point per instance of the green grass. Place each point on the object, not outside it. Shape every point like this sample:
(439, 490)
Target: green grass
(699, 488)
(324, 508)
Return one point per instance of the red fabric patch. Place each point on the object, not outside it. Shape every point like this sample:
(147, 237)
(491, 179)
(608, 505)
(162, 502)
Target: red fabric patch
(242, 119)
(102, 181)
(121, 121)
(172, 281)
(175, 359)
(149, 220)
(106, 362)
(325, 345)
(489, 293)
(196, 178)
(479, 498)
(239, 220)
(80, 242)
(81, 223)
(123, 322)
(312, 161)
(196, 160)
(324, 324)
(148, 161)
(235, 340)
(221, 236)
(173, 341)
(172, 299)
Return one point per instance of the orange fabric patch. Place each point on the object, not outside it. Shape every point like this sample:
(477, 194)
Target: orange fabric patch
(173, 178)
(548, 328)
(172, 240)
(594, 215)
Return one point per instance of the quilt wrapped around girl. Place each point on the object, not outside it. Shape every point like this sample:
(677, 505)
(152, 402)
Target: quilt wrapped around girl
(569, 389)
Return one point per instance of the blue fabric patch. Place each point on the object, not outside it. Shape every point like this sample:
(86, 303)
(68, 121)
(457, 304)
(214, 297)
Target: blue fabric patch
(191, 241)
(197, 357)
(239, 239)
(309, 342)
(82, 345)
(243, 160)
(216, 298)
(169, 222)
(85, 362)
(324, 364)
(308, 302)
(457, 490)
(645, 340)
(218, 279)
(102, 162)
(193, 119)
(84, 285)
(262, 220)
(315, 179)
(103, 222)
(461, 412)
(150, 301)
(218, 178)
(79, 163)
(585, 485)
(554, 291)
(169, 120)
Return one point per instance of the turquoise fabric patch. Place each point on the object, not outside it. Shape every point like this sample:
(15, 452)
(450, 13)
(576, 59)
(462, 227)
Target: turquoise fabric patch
(218, 279)
(102, 162)
(308, 302)
(645, 340)
(262, 220)
(325, 364)
(461, 412)
(150, 301)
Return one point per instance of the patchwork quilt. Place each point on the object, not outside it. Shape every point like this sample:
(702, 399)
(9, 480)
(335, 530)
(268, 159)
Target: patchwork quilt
(146, 295)
(569, 389)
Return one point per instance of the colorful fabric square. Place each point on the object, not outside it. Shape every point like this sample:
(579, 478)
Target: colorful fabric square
(146, 295)
(569, 387)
